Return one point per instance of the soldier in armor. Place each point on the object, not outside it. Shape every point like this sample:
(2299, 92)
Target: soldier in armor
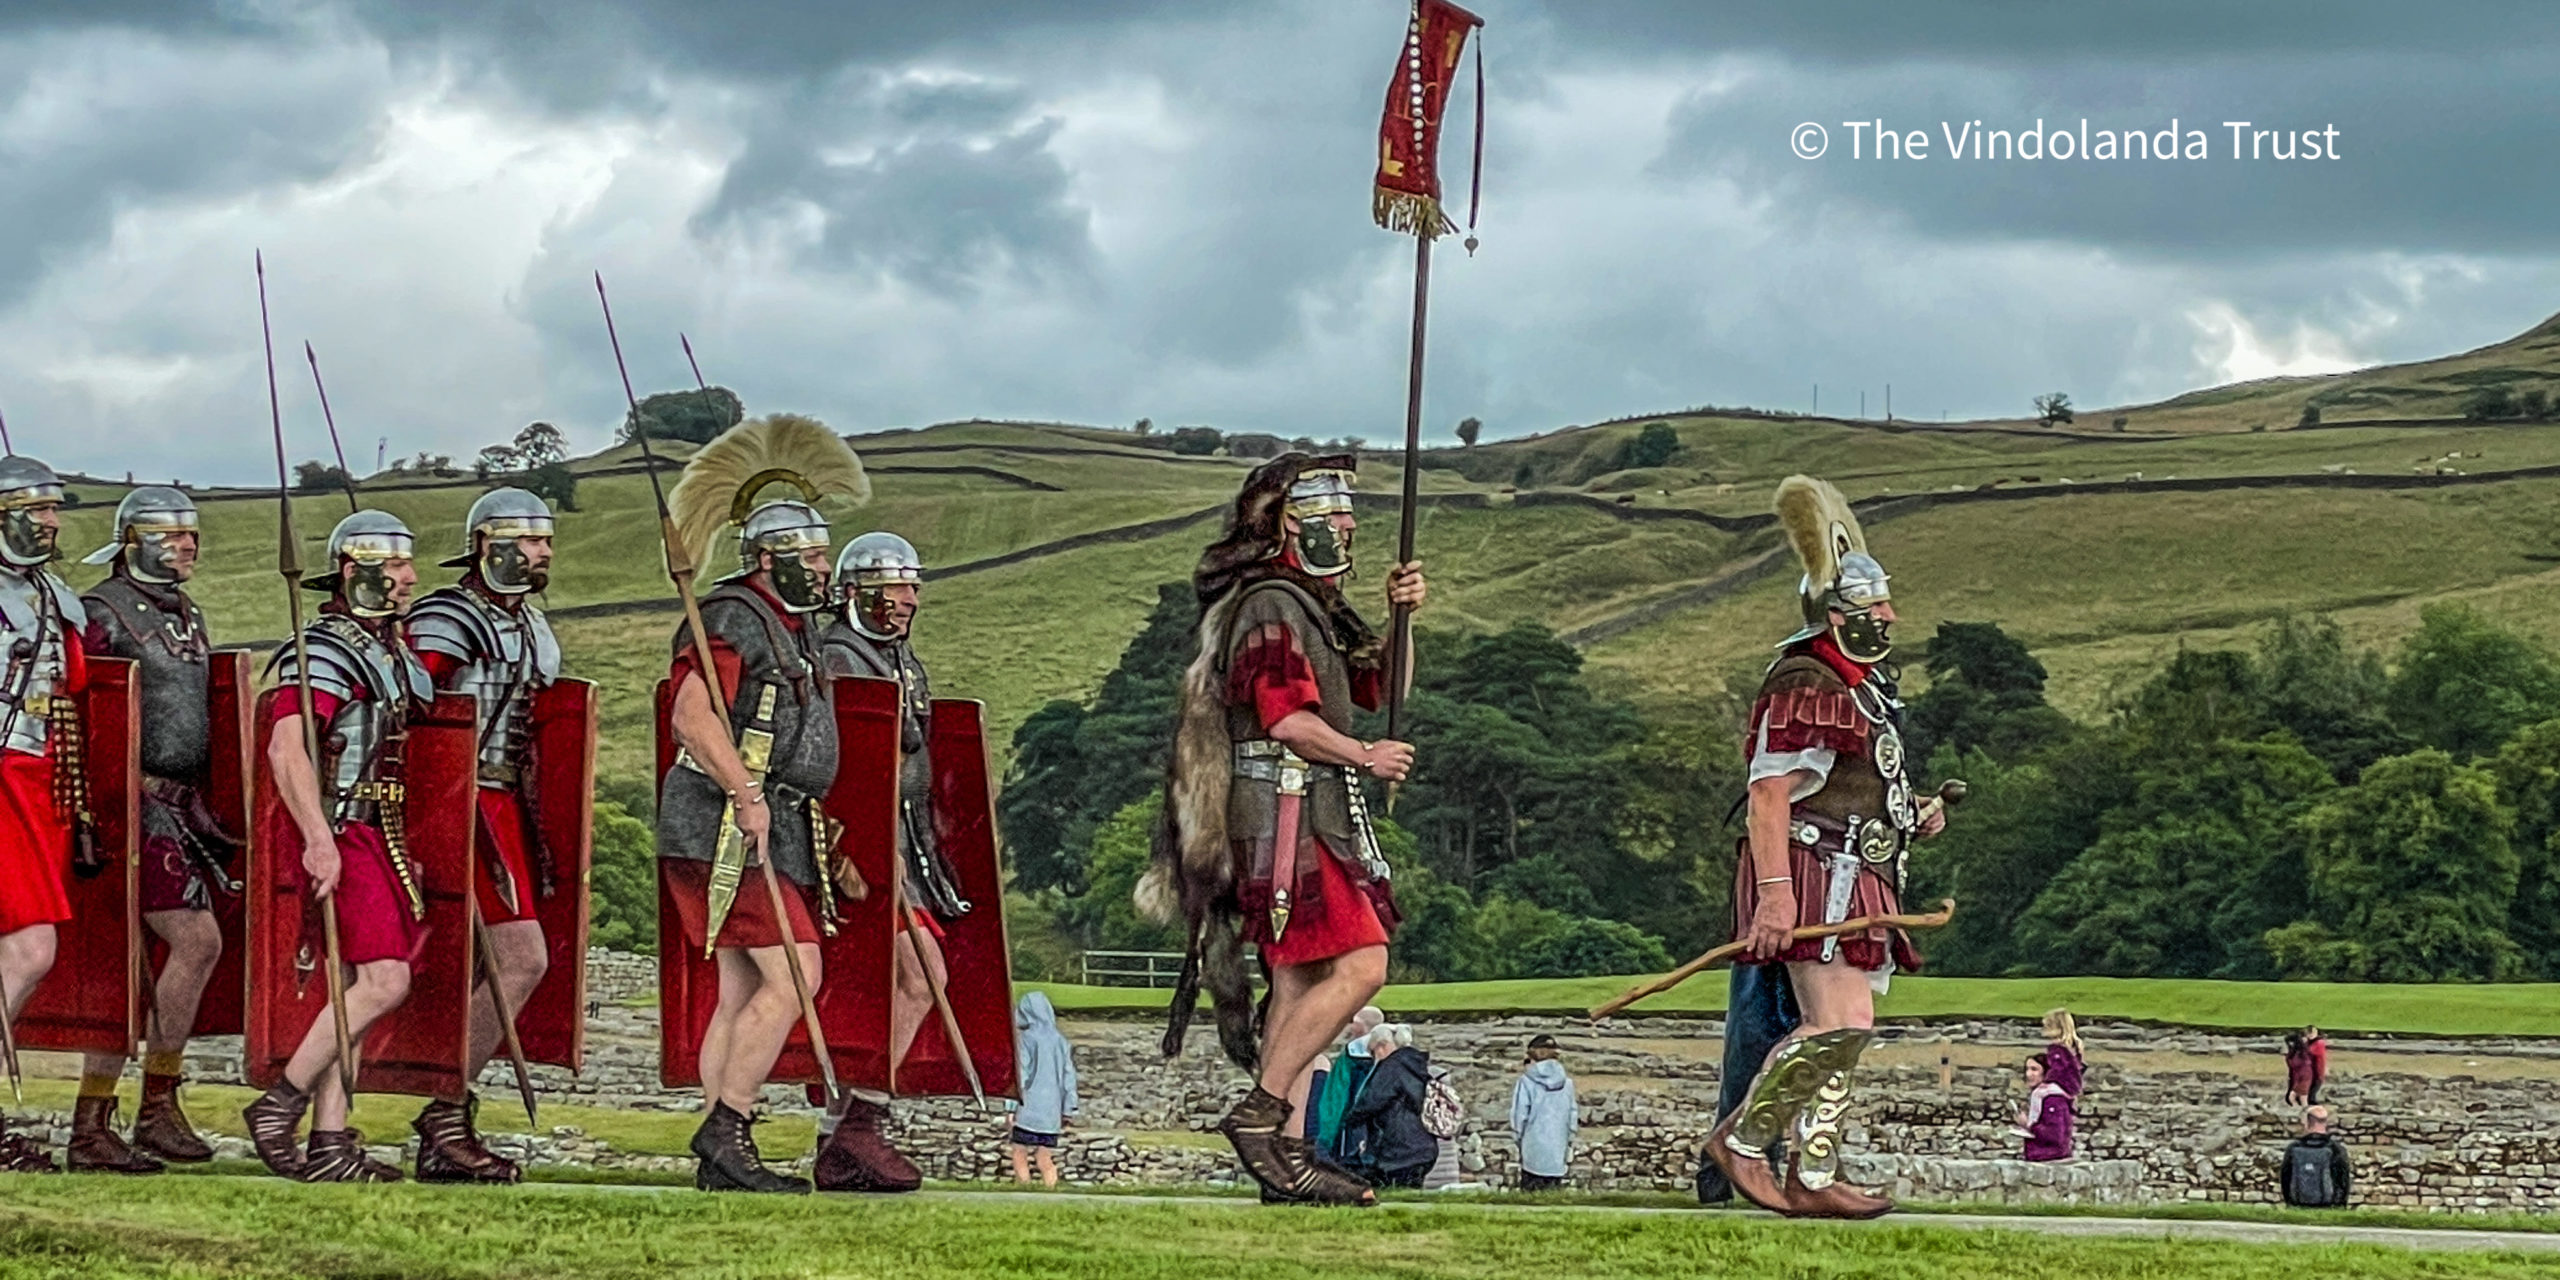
(750, 787)
(484, 636)
(1267, 833)
(141, 612)
(1831, 819)
(364, 685)
(43, 671)
(877, 576)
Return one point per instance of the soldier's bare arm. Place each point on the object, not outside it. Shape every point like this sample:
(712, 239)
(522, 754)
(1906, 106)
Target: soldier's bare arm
(705, 736)
(1306, 733)
(298, 785)
(1773, 920)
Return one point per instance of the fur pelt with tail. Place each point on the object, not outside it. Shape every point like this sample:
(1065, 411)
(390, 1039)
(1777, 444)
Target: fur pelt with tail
(1192, 875)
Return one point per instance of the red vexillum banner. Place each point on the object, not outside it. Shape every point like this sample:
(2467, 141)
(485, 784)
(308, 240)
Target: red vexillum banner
(1407, 198)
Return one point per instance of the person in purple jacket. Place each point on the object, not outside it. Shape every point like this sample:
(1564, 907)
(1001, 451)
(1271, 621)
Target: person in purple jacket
(2063, 1059)
(2045, 1121)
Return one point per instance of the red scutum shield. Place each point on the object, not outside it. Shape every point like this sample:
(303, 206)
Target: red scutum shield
(91, 1001)
(552, 1025)
(688, 986)
(974, 946)
(224, 1011)
(421, 1046)
(853, 1001)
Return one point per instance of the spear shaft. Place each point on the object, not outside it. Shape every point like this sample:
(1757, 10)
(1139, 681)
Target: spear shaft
(4, 437)
(348, 477)
(289, 566)
(681, 569)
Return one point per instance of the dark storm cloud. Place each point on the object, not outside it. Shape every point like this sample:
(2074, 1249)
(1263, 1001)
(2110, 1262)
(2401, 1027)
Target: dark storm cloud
(196, 119)
(936, 184)
(2030, 32)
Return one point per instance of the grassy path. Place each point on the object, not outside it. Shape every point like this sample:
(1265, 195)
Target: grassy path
(221, 1227)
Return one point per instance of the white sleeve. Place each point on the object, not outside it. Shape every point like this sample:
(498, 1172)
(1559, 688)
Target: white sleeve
(1815, 761)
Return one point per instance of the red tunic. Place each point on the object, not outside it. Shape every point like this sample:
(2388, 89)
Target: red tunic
(1330, 914)
(374, 921)
(35, 844)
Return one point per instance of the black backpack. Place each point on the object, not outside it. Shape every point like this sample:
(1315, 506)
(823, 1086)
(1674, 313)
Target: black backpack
(2309, 1179)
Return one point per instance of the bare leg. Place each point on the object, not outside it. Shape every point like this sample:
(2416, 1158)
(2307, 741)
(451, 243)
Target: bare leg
(195, 945)
(1021, 1166)
(1048, 1168)
(523, 957)
(738, 982)
(1833, 996)
(1310, 1005)
(379, 987)
(920, 968)
(26, 956)
(763, 1026)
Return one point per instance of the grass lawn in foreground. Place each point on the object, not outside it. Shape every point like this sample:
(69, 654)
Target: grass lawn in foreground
(2445, 1009)
(205, 1227)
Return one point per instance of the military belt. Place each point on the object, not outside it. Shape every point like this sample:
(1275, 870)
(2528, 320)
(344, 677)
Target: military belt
(1874, 839)
(502, 776)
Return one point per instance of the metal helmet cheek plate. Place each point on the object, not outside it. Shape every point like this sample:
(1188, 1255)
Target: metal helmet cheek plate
(372, 541)
(27, 487)
(1862, 634)
(1315, 497)
(490, 534)
(867, 568)
(145, 522)
(787, 529)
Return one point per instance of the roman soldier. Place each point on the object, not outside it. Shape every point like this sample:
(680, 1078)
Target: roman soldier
(42, 673)
(485, 637)
(348, 810)
(750, 785)
(1831, 819)
(877, 577)
(1267, 834)
(141, 612)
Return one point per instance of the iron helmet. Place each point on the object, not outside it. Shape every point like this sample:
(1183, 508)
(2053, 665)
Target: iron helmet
(867, 567)
(489, 534)
(26, 487)
(144, 521)
(786, 528)
(369, 540)
(1315, 497)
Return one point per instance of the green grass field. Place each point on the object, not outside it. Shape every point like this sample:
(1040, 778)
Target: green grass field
(209, 1227)
(2501, 1009)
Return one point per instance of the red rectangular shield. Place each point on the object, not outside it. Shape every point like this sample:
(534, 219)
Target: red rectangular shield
(421, 1047)
(92, 1000)
(552, 1025)
(974, 946)
(224, 1011)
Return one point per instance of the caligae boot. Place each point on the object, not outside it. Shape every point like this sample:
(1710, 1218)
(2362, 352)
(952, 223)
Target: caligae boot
(1282, 1164)
(858, 1157)
(272, 1120)
(96, 1147)
(22, 1154)
(338, 1155)
(726, 1158)
(160, 1128)
(449, 1146)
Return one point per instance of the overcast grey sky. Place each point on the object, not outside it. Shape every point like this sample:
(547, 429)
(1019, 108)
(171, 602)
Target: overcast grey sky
(894, 214)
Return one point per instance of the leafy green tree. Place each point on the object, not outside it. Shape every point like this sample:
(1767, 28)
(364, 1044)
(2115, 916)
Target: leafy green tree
(2052, 408)
(2412, 879)
(2528, 774)
(1653, 446)
(540, 443)
(1198, 441)
(2327, 695)
(554, 483)
(1468, 430)
(1104, 916)
(1583, 947)
(2489, 404)
(1075, 767)
(2188, 876)
(2020, 825)
(695, 415)
(623, 882)
(1986, 693)
(2467, 685)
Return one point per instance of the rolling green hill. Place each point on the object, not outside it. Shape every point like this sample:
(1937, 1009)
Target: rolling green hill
(2103, 551)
